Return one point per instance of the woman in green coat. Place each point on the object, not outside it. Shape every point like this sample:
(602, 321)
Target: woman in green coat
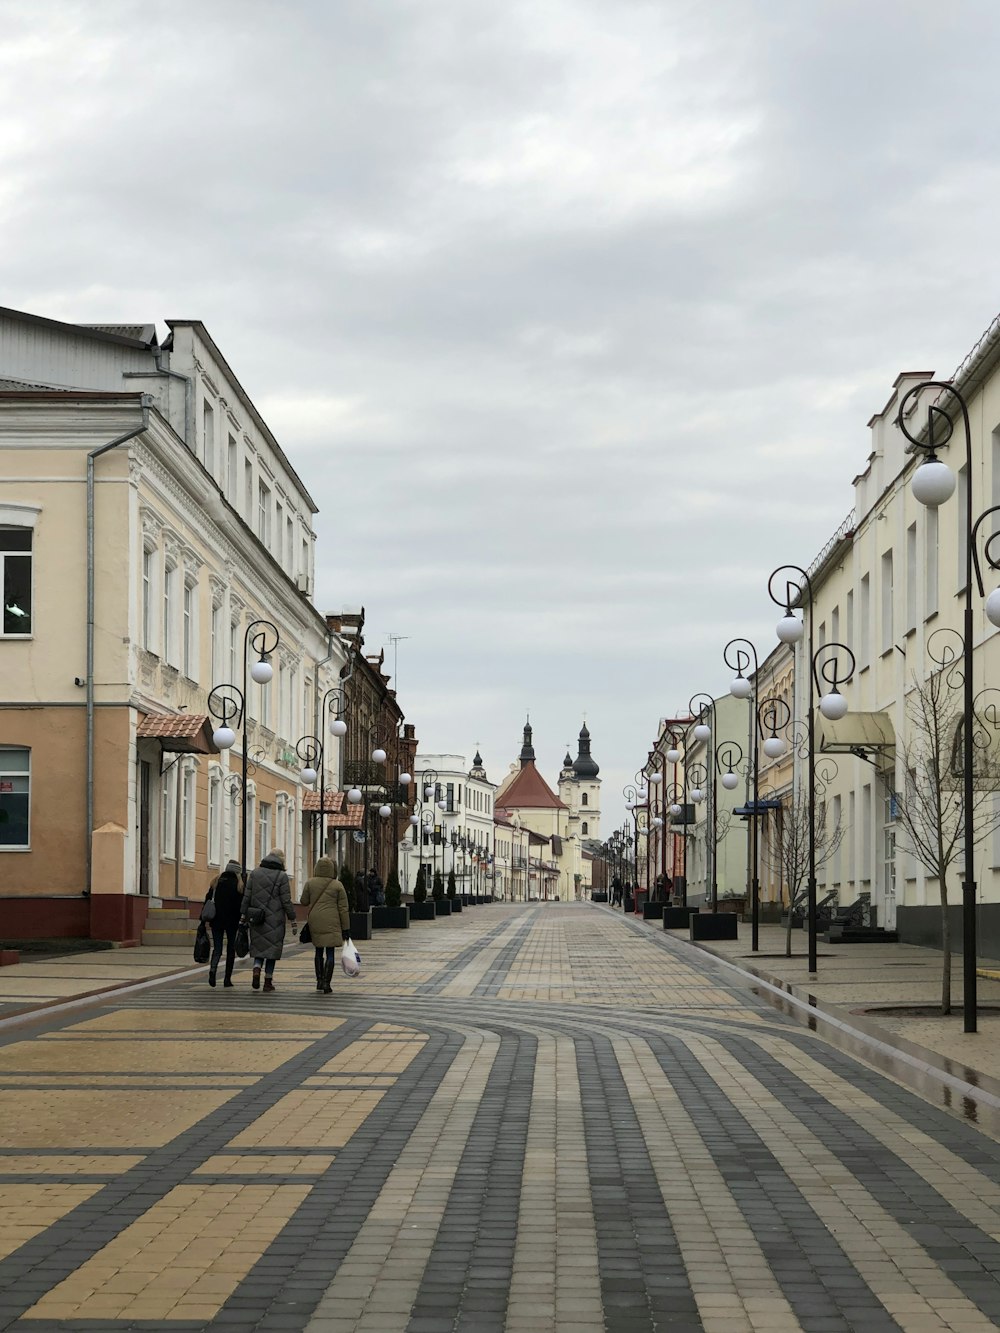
(329, 918)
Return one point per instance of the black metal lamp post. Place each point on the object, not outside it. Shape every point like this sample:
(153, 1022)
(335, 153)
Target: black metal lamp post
(635, 798)
(740, 655)
(676, 795)
(336, 699)
(933, 483)
(228, 705)
(728, 758)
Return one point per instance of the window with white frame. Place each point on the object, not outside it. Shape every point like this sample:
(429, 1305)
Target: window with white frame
(865, 620)
(170, 577)
(266, 828)
(912, 576)
(289, 546)
(279, 530)
(148, 577)
(888, 606)
(248, 490)
(264, 512)
(15, 798)
(189, 645)
(282, 674)
(251, 815)
(188, 811)
(232, 850)
(931, 578)
(234, 639)
(217, 613)
(849, 619)
(15, 579)
(215, 830)
(961, 491)
(208, 436)
(232, 470)
(168, 826)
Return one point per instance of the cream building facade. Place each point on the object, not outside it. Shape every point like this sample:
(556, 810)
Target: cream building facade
(464, 829)
(138, 604)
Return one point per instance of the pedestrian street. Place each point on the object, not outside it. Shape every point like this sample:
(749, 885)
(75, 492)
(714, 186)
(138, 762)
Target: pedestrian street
(524, 1118)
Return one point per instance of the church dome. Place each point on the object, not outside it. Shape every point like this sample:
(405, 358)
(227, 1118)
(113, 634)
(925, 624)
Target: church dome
(585, 766)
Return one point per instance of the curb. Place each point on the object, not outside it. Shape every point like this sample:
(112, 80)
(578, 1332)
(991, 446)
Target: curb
(45, 1007)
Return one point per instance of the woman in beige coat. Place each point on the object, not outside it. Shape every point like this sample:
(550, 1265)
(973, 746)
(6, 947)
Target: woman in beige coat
(329, 918)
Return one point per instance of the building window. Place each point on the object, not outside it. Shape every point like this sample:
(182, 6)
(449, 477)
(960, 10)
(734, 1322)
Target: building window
(15, 797)
(169, 601)
(208, 437)
(232, 470)
(586, 828)
(15, 559)
(930, 562)
(849, 620)
(187, 813)
(215, 818)
(168, 830)
(911, 577)
(248, 490)
(290, 545)
(234, 655)
(148, 555)
(216, 641)
(190, 626)
(279, 528)
(264, 512)
(864, 621)
(266, 829)
(450, 798)
(887, 602)
(583, 799)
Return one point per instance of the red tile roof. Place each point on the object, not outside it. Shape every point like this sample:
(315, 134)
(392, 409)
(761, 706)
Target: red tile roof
(333, 802)
(352, 817)
(178, 731)
(529, 791)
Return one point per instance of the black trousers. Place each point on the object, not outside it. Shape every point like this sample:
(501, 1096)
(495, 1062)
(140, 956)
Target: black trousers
(220, 933)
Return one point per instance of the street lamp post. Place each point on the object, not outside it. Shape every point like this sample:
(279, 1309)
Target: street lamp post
(740, 655)
(228, 705)
(933, 483)
(337, 727)
(728, 757)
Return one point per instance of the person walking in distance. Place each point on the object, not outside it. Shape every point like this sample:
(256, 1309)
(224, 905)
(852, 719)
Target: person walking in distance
(226, 892)
(267, 905)
(329, 918)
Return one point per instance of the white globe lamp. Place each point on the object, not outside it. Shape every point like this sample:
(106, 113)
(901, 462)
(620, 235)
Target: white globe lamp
(675, 809)
(702, 732)
(354, 796)
(789, 629)
(629, 805)
(308, 776)
(442, 805)
(655, 778)
(673, 755)
(338, 726)
(833, 706)
(224, 738)
(378, 756)
(385, 811)
(414, 819)
(262, 671)
(741, 688)
(428, 793)
(657, 822)
(697, 795)
(993, 607)
(730, 781)
(774, 747)
(933, 482)
(405, 779)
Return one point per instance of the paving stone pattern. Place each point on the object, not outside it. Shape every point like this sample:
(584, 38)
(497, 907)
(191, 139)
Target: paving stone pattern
(518, 1120)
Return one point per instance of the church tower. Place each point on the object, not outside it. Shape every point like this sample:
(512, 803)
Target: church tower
(580, 789)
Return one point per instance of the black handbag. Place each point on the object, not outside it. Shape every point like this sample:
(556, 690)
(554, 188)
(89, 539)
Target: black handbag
(242, 942)
(305, 934)
(202, 944)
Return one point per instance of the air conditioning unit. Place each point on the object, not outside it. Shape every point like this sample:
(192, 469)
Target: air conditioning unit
(304, 584)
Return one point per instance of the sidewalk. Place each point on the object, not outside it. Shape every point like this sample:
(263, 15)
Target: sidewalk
(863, 983)
(45, 982)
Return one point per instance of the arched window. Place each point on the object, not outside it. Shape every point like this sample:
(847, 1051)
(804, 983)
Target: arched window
(585, 827)
(583, 799)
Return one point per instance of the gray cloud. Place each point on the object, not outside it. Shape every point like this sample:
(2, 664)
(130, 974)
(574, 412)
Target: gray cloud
(571, 313)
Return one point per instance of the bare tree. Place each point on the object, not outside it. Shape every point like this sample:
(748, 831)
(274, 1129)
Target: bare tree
(786, 851)
(931, 807)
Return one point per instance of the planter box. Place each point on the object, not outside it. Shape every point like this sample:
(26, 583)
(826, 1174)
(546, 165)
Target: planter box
(391, 918)
(737, 905)
(714, 926)
(455, 903)
(361, 925)
(422, 911)
(678, 918)
(442, 907)
(599, 897)
(652, 911)
(628, 904)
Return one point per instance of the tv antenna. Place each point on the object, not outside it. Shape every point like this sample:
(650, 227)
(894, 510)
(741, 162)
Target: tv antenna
(396, 640)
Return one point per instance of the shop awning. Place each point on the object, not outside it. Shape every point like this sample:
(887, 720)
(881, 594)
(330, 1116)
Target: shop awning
(857, 733)
(182, 733)
(760, 807)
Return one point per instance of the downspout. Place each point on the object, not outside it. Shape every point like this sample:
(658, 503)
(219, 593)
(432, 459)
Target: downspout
(92, 456)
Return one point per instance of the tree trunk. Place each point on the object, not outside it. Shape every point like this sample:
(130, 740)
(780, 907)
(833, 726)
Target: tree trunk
(788, 931)
(945, 950)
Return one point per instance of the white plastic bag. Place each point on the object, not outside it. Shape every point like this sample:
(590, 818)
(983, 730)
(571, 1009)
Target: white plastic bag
(350, 959)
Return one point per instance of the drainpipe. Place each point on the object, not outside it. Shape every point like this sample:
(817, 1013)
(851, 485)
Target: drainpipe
(92, 456)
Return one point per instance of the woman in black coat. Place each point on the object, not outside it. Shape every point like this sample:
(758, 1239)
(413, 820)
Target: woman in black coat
(226, 892)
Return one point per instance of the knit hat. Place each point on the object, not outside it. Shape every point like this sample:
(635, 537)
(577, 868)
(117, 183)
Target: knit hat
(276, 854)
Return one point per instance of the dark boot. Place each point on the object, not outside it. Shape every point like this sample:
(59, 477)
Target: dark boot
(318, 961)
(268, 984)
(328, 978)
(256, 979)
(211, 974)
(228, 979)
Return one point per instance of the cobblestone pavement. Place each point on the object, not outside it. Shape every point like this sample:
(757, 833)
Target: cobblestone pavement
(524, 1118)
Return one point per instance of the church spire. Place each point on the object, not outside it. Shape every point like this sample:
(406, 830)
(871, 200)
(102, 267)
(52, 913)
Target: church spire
(527, 749)
(584, 765)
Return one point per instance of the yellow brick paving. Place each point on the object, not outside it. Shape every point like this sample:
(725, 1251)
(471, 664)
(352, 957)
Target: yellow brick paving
(29, 1209)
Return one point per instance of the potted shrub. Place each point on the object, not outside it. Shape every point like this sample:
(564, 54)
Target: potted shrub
(395, 914)
(420, 908)
(453, 898)
(361, 922)
(442, 907)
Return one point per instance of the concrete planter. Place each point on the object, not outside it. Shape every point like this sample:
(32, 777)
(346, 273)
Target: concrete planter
(456, 903)
(422, 911)
(714, 926)
(442, 907)
(652, 911)
(361, 925)
(599, 896)
(677, 918)
(391, 918)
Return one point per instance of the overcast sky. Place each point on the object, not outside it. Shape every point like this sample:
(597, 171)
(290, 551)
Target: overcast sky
(570, 313)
